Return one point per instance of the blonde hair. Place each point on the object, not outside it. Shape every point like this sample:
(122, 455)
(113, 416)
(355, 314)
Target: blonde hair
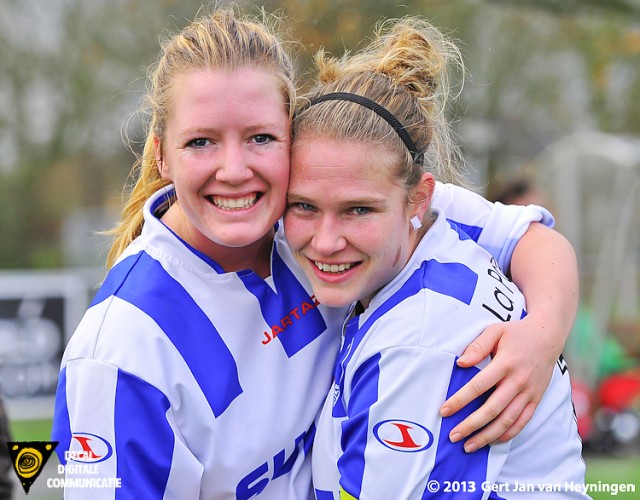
(406, 69)
(220, 40)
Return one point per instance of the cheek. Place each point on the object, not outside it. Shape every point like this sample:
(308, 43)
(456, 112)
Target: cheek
(397, 257)
(295, 230)
(393, 245)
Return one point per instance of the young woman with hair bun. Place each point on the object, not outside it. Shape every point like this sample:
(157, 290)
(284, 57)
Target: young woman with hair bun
(366, 223)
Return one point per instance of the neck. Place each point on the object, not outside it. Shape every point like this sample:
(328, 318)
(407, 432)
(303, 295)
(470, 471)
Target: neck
(255, 257)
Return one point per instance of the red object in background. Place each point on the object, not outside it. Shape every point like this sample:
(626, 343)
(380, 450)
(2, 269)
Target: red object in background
(620, 391)
(582, 402)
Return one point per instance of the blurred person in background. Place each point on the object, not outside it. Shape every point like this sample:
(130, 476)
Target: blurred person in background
(6, 472)
(521, 189)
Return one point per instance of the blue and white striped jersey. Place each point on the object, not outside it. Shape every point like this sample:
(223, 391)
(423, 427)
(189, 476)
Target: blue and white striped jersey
(183, 381)
(380, 434)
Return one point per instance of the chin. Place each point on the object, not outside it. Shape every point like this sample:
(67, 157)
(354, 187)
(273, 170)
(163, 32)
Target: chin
(331, 298)
(240, 237)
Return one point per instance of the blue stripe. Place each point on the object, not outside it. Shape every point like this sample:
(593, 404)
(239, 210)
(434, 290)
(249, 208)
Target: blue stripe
(143, 439)
(289, 310)
(355, 429)
(143, 282)
(451, 279)
(324, 495)
(452, 463)
(61, 428)
(465, 231)
(346, 351)
(114, 280)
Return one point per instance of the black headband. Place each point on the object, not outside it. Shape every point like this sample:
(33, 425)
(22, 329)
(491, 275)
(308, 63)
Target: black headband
(380, 111)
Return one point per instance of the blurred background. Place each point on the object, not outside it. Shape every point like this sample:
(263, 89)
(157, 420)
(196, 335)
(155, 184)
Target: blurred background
(548, 114)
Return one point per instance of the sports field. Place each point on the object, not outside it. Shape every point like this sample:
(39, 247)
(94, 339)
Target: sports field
(603, 471)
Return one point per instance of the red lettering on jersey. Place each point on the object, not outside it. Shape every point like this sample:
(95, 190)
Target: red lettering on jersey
(294, 315)
(306, 306)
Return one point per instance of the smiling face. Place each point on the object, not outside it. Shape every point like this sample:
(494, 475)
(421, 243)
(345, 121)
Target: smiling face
(226, 149)
(347, 220)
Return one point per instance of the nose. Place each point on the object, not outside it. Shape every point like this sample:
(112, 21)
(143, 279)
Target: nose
(328, 237)
(234, 166)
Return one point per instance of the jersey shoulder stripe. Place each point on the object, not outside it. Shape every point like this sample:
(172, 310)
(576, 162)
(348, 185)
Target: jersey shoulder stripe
(451, 279)
(61, 426)
(351, 463)
(446, 278)
(449, 456)
(149, 426)
(144, 283)
(465, 231)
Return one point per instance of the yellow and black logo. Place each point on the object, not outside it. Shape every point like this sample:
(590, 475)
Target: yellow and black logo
(28, 458)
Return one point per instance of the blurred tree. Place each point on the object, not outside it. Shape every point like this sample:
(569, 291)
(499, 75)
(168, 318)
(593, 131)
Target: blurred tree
(67, 68)
(618, 7)
(538, 69)
(72, 71)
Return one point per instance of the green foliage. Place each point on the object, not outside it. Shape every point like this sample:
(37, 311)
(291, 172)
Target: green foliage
(72, 72)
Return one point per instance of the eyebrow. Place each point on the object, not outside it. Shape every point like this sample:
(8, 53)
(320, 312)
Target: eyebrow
(262, 127)
(297, 198)
(292, 197)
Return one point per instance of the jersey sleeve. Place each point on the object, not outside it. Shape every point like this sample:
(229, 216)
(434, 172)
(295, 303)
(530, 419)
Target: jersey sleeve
(494, 226)
(395, 443)
(115, 434)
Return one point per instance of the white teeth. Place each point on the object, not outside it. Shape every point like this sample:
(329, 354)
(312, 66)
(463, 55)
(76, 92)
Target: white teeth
(234, 203)
(332, 268)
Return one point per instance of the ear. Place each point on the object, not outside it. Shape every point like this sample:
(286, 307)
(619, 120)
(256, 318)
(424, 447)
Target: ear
(157, 151)
(421, 195)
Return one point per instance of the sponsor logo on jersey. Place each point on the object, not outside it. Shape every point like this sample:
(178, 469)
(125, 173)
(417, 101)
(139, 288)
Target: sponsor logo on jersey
(281, 464)
(94, 448)
(403, 435)
(296, 314)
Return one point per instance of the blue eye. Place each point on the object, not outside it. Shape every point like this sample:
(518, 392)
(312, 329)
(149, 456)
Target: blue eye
(360, 210)
(263, 138)
(200, 142)
(302, 207)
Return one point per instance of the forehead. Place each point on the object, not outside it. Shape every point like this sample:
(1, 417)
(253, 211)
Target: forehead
(319, 165)
(244, 90)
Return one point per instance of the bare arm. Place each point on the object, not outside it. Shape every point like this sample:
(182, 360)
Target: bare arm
(544, 266)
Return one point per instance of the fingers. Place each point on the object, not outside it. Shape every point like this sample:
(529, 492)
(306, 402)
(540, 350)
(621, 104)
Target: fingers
(504, 427)
(482, 346)
(501, 406)
(478, 385)
(519, 424)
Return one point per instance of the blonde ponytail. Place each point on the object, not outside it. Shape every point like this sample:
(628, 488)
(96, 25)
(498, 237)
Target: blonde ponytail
(221, 40)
